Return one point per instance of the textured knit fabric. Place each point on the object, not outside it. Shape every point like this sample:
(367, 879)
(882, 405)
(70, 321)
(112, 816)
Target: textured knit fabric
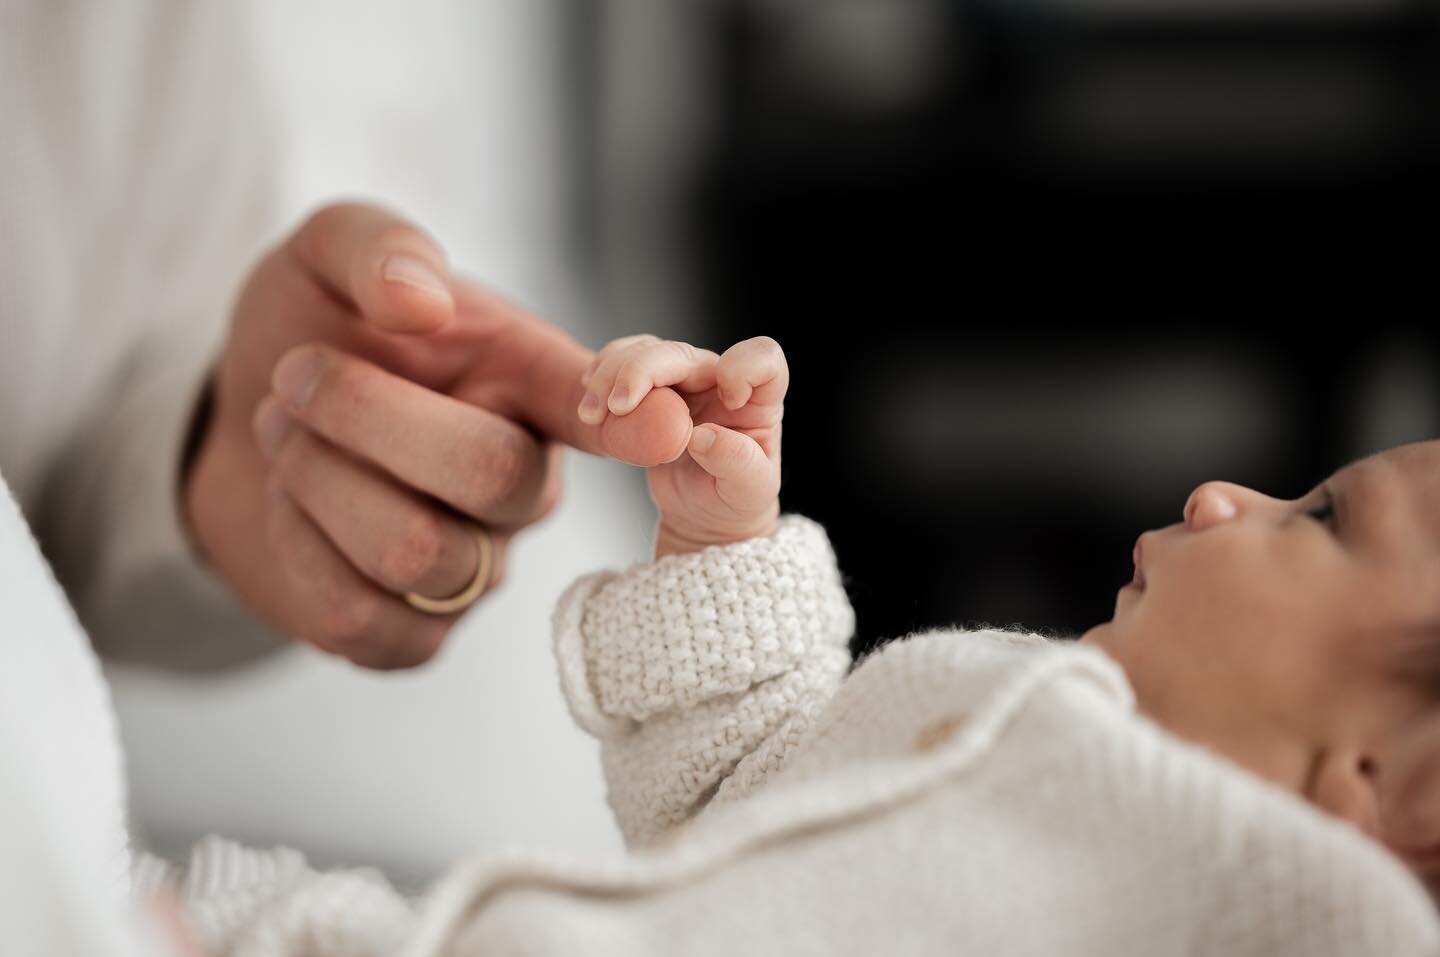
(702, 672)
(243, 902)
(960, 792)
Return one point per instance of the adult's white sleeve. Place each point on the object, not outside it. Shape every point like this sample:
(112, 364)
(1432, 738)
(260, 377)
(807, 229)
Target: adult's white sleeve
(114, 529)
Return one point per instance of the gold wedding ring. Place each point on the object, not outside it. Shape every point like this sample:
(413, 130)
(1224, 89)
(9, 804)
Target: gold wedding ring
(485, 556)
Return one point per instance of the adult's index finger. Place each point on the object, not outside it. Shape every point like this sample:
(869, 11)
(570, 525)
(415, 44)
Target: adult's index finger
(392, 272)
(537, 381)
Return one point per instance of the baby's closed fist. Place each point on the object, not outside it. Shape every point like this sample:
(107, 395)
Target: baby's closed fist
(726, 485)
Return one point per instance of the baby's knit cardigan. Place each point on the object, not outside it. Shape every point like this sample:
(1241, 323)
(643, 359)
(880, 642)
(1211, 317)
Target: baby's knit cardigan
(975, 793)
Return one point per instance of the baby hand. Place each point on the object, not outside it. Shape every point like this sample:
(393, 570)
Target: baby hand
(726, 485)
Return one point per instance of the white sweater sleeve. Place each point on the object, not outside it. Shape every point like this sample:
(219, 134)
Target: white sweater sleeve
(136, 202)
(115, 532)
(251, 902)
(698, 673)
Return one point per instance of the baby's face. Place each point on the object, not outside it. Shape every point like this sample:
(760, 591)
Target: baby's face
(1290, 635)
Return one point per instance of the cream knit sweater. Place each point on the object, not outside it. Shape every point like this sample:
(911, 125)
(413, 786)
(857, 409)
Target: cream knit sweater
(979, 793)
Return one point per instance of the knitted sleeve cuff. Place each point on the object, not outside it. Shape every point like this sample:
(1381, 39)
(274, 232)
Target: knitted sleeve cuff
(241, 900)
(687, 628)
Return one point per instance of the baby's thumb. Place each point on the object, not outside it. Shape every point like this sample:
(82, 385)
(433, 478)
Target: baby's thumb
(731, 457)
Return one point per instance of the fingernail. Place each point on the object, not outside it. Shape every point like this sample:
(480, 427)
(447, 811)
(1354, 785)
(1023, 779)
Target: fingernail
(702, 439)
(271, 426)
(619, 398)
(296, 376)
(412, 272)
(589, 406)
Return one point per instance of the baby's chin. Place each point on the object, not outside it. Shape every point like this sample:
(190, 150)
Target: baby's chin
(1098, 636)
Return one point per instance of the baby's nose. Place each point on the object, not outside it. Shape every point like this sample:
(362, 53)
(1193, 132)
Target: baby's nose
(1212, 503)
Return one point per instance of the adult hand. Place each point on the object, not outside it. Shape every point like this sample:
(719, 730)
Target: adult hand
(366, 406)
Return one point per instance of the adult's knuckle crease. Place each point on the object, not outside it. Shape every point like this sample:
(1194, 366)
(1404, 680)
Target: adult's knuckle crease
(344, 618)
(414, 553)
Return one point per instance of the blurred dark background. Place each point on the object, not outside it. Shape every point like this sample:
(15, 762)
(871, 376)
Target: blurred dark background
(1041, 268)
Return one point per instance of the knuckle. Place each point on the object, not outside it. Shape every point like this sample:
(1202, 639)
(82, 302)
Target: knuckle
(747, 454)
(731, 455)
(414, 553)
(730, 381)
(629, 345)
(683, 351)
(506, 466)
(345, 617)
(324, 232)
(498, 468)
(346, 387)
(316, 232)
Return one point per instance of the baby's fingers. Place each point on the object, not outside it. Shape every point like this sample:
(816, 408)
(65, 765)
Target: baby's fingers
(612, 353)
(623, 379)
(745, 477)
(656, 364)
(752, 371)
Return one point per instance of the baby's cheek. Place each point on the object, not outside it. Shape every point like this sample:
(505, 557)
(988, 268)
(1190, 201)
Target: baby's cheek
(1207, 582)
(1409, 786)
(1212, 607)
(653, 433)
(1238, 583)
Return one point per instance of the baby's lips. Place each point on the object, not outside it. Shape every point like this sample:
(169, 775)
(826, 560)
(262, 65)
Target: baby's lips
(655, 432)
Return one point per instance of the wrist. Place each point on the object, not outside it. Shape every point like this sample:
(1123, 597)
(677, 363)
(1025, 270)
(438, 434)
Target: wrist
(676, 539)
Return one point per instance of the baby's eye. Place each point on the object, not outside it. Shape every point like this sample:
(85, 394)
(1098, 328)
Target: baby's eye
(1323, 512)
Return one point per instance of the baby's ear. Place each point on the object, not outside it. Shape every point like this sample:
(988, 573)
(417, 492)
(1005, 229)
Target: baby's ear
(1344, 784)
